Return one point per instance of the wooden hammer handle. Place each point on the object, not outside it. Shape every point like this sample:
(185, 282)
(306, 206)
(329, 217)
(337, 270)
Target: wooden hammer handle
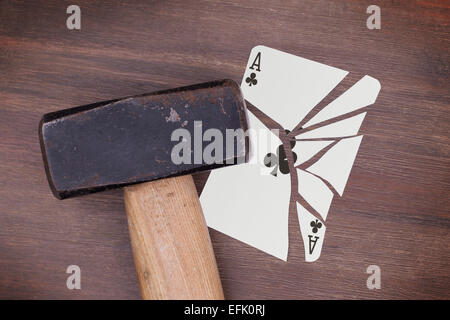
(171, 245)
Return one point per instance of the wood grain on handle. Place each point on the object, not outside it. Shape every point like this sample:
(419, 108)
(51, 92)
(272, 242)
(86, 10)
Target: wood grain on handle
(171, 244)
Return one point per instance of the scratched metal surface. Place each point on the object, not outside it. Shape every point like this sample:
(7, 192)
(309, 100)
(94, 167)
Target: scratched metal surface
(110, 145)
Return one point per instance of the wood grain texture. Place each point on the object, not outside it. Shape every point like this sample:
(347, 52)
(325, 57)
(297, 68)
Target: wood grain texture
(171, 245)
(394, 212)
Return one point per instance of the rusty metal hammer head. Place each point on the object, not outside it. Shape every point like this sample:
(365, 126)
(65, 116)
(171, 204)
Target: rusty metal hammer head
(127, 141)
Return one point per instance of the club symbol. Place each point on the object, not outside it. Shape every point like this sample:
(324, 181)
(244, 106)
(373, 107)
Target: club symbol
(279, 160)
(271, 160)
(316, 225)
(252, 79)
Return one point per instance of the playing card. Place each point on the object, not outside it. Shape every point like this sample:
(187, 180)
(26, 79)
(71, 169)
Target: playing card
(250, 202)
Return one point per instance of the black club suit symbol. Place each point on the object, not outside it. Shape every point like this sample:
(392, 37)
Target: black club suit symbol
(316, 225)
(252, 79)
(279, 160)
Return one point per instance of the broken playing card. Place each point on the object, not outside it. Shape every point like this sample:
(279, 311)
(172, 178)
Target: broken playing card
(232, 200)
(250, 202)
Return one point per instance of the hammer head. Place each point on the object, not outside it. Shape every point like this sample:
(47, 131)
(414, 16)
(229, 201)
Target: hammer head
(125, 141)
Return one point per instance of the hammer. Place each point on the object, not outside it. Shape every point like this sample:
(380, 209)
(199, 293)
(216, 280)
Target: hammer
(144, 144)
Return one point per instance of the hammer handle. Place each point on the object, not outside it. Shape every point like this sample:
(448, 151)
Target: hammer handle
(171, 245)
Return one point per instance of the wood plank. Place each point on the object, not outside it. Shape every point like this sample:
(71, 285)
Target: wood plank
(395, 209)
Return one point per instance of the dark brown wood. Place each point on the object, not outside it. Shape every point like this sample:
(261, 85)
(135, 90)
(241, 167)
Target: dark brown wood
(394, 212)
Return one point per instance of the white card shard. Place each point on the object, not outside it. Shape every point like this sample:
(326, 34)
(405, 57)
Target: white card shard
(250, 202)
(305, 150)
(344, 128)
(336, 164)
(313, 233)
(361, 94)
(288, 86)
(247, 203)
(315, 192)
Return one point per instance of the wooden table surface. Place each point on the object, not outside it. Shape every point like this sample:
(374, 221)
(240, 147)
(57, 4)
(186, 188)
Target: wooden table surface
(395, 209)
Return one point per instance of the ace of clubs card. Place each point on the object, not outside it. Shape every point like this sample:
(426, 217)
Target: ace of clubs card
(251, 203)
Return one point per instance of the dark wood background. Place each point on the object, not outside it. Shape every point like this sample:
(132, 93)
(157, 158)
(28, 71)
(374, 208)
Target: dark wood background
(395, 209)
